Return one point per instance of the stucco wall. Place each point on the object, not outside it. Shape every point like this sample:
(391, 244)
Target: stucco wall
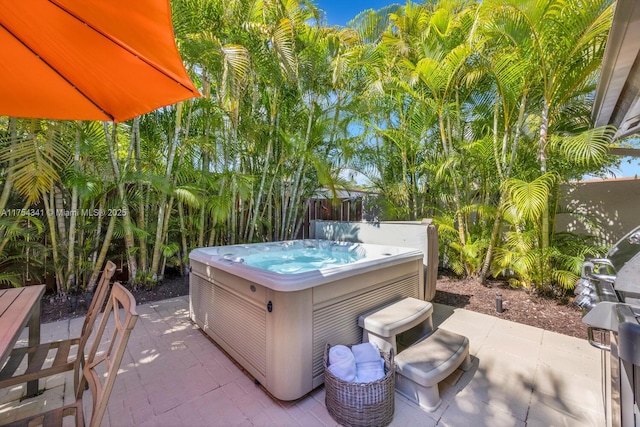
(613, 203)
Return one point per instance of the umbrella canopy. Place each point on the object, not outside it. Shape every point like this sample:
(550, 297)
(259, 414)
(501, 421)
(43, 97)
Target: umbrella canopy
(89, 59)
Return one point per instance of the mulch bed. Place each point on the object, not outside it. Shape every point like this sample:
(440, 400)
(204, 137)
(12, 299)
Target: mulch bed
(519, 305)
(55, 308)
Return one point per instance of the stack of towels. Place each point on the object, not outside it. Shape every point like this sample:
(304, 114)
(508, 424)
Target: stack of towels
(362, 363)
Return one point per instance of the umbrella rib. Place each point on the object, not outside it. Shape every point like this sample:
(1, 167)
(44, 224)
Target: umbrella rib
(56, 71)
(120, 44)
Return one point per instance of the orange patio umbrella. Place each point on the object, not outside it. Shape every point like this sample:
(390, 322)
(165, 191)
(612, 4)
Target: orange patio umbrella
(89, 59)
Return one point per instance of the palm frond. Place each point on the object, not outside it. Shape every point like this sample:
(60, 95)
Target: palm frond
(530, 198)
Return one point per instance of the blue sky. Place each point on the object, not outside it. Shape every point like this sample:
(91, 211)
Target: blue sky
(339, 12)
(629, 167)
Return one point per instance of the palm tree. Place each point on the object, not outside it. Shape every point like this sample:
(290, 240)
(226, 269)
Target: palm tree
(562, 43)
(470, 112)
(37, 153)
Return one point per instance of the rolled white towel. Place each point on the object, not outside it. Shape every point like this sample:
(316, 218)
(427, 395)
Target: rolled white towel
(342, 364)
(369, 364)
(365, 352)
(367, 372)
(338, 353)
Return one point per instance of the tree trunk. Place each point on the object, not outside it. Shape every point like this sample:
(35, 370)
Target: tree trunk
(8, 180)
(142, 206)
(267, 159)
(162, 209)
(542, 155)
(103, 253)
(57, 267)
(183, 237)
(71, 261)
(165, 233)
(497, 223)
(98, 235)
(129, 241)
(496, 154)
(297, 182)
(60, 214)
(456, 192)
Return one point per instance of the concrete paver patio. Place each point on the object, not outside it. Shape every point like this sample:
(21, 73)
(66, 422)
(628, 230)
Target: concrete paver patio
(173, 375)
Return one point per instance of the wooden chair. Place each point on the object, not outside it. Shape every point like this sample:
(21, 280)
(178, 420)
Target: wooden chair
(67, 354)
(121, 307)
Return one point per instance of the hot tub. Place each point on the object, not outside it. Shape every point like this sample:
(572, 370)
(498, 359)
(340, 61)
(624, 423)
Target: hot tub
(276, 323)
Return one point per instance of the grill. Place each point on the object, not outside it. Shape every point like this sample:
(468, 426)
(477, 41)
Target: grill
(609, 294)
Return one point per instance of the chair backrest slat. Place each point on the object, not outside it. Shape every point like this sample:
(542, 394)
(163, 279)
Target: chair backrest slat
(121, 311)
(99, 295)
(101, 290)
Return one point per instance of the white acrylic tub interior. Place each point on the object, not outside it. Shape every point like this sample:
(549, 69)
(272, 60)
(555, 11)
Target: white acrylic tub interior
(231, 259)
(276, 325)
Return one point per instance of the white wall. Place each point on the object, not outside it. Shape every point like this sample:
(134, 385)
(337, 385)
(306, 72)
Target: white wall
(614, 204)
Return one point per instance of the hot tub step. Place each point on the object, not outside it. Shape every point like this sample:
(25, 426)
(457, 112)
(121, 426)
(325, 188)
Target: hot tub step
(423, 365)
(382, 325)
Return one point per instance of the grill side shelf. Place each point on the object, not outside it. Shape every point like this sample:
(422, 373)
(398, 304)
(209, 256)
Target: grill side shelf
(608, 315)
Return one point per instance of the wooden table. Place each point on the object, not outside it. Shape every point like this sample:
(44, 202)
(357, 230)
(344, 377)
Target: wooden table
(19, 306)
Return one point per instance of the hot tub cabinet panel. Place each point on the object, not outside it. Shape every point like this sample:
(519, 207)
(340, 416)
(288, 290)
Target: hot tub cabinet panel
(279, 336)
(236, 323)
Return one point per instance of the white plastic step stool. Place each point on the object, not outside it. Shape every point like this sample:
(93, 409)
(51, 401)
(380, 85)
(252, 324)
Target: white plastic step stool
(423, 365)
(381, 326)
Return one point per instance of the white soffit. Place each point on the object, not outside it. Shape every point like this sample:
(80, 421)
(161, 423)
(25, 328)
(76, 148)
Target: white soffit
(617, 99)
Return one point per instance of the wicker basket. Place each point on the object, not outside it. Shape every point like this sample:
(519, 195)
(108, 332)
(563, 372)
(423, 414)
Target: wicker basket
(361, 404)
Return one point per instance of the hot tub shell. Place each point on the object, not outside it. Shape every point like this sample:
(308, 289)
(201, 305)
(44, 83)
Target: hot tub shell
(276, 325)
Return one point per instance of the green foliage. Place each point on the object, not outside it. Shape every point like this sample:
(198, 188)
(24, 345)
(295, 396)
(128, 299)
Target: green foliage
(529, 199)
(474, 113)
(35, 159)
